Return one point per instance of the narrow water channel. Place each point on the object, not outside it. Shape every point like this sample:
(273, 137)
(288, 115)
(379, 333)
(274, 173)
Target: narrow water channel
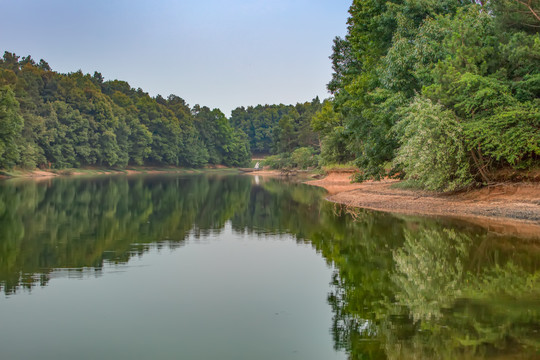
(219, 266)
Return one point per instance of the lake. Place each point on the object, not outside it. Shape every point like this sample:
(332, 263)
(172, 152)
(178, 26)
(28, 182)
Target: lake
(225, 266)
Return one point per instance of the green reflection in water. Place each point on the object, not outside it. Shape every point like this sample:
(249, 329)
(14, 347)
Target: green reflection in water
(404, 287)
(437, 290)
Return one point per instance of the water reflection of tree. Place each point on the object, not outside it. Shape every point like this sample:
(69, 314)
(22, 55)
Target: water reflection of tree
(451, 295)
(469, 294)
(429, 271)
(78, 223)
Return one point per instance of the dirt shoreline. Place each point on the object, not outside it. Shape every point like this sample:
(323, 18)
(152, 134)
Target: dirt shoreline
(512, 208)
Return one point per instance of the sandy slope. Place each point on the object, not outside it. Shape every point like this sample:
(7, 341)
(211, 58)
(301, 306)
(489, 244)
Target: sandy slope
(505, 208)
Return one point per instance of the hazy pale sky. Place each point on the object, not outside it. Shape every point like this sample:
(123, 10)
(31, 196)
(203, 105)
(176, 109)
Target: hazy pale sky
(220, 54)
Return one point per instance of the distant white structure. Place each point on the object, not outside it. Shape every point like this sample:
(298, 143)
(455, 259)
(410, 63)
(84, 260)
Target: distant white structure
(257, 166)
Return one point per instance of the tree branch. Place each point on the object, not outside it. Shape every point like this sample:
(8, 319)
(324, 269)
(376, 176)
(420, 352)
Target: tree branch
(529, 6)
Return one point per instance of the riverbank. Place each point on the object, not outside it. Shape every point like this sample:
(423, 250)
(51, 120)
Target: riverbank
(512, 208)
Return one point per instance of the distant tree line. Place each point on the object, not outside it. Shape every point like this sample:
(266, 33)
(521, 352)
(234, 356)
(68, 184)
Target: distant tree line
(274, 129)
(54, 120)
(285, 131)
(48, 119)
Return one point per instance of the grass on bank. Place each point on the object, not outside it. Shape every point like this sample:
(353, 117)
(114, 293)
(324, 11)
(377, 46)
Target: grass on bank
(349, 167)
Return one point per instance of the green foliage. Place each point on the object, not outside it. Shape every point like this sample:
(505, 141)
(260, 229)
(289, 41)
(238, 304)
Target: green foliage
(238, 154)
(432, 149)
(478, 63)
(280, 161)
(73, 120)
(519, 15)
(301, 158)
(11, 124)
(195, 152)
(511, 135)
(430, 271)
(224, 144)
(373, 142)
(334, 139)
(494, 91)
(277, 128)
(272, 161)
(304, 157)
(326, 119)
(334, 147)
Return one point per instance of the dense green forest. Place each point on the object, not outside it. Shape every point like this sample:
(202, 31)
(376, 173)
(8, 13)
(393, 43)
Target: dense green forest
(48, 119)
(442, 92)
(275, 129)
(58, 120)
(285, 131)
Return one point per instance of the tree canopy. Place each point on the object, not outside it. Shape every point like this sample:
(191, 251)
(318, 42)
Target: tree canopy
(442, 92)
(274, 129)
(48, 119)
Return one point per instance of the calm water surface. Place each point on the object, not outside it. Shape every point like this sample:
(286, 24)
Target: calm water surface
(220, 266)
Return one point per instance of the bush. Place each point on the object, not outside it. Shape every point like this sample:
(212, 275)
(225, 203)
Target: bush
(511, 134)
(272, 161)
(278, 161)
(304, 157)
(334, 148)
(432, 147)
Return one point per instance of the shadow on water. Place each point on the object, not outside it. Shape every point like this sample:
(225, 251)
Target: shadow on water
(404, 287)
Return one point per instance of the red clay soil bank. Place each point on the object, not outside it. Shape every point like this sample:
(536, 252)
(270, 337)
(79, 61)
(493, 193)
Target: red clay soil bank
(512, 208)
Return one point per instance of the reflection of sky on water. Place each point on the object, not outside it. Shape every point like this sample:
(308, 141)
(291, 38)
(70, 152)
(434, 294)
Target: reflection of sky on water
(227, 296)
